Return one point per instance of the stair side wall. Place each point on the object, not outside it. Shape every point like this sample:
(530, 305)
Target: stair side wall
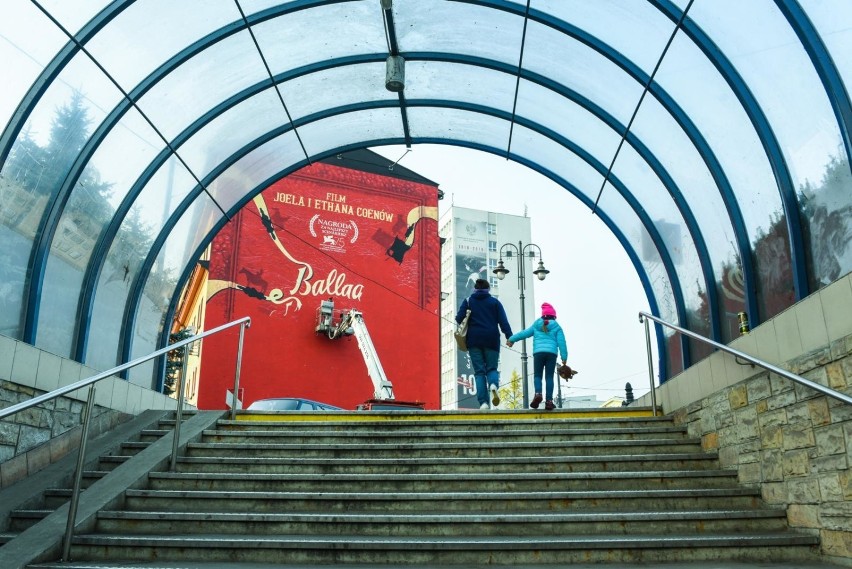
(32, 439)
(793, 442)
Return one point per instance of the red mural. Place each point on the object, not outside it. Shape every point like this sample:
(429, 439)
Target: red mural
(367, 240)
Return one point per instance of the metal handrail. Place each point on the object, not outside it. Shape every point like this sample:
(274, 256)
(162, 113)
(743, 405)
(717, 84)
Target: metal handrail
(90, 382)
(644, 317)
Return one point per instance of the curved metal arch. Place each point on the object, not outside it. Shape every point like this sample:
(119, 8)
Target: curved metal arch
(824, 65)
(232, 28)
(97, 260)
(765, 133)
(622, 239)
(138, 287)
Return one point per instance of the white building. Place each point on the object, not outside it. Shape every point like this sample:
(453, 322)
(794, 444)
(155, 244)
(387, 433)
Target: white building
(471, 250)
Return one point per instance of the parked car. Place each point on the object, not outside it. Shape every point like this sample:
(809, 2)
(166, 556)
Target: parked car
(291, 404)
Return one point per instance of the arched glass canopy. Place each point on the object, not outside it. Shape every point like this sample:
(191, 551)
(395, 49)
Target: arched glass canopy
(711, 136)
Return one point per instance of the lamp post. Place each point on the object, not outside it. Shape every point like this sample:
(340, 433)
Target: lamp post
(520, 251)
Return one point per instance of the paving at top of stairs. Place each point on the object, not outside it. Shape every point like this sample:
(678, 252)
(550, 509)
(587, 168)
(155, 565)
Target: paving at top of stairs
(600, 414)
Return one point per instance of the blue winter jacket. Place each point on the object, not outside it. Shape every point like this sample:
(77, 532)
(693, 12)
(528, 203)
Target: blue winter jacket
(552, 341)
(486, 314)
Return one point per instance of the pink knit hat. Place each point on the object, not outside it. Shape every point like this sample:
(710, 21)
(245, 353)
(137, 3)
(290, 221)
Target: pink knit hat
(547, 310)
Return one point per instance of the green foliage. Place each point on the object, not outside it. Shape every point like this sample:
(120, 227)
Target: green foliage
(174, 360)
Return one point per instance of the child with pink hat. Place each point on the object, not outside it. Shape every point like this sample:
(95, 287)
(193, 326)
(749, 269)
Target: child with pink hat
(548, 343)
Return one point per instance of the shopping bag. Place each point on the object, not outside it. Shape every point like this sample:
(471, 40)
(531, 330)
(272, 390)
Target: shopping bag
(461, 333)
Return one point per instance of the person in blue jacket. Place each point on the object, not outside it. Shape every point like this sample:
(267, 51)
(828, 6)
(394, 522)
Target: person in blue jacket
(487, 320)
(548, 342)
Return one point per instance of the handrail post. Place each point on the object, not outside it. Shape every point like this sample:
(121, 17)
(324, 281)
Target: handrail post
(179, 410)
(650, 365)
(78, 477)
(237, 372)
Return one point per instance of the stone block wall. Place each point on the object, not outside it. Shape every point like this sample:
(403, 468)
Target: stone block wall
(31, 439)
(791, 441)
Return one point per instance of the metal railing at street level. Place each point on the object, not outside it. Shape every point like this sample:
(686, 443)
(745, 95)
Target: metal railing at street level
(645, 317)
(90, 403)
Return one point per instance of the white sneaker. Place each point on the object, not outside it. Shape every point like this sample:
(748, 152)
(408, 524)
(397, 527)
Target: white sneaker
(495, 398)
(484, 406)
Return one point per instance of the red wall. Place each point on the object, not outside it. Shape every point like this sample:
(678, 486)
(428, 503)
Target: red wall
(337, 226)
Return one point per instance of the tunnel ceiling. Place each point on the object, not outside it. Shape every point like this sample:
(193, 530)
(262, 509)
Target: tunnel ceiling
(711, 136)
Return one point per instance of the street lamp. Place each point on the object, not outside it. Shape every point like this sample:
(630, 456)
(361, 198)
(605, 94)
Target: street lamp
(519, 251)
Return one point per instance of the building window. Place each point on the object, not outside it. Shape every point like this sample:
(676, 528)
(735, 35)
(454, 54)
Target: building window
(492, 246)
(492, 229)
(494, 282)
(492, 263)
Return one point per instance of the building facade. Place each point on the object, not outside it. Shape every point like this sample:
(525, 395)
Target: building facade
(471, 250)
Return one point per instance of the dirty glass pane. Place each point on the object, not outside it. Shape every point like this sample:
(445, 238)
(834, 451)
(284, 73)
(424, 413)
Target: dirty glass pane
(691, 79)
(172, 260)
(41, 157)
(74, 14)
(456, 124)
(106, 179)
(769, 56)
(136, 233)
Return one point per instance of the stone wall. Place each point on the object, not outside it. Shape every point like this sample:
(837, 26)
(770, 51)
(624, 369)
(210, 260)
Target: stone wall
(32, 439)
(791, 441)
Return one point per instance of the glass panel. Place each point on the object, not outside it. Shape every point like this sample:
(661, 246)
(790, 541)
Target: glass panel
(175, 256)
(105, 180)
(74, 14)
(353, 128)
(360, 81)
(255, 170)
(457, 27)
(149, 32)
(302, 37)
(703, 94)
(136, 235)
(620, 212)
(831, 19)
(776, 67)
(670, 144)
(453, 124)
(232, 130)
(635, 29)
(37, 165)
(650, 192)
(568, 119)
(589, 73)
(28, 41)
(202, 82)
(454, 82)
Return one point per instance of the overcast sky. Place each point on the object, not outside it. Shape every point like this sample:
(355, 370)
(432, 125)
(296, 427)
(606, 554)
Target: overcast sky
(592, 282)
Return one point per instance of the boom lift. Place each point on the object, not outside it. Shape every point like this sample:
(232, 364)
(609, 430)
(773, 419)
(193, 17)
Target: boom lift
(351, 323)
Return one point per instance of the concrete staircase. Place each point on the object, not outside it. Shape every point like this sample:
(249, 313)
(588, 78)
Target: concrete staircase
(432, 489)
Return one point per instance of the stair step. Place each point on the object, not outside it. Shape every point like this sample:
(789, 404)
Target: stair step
(209, 501)
(503, 550)
(437, 464)
(531, 523)
(455, 435)
(467, 449)
(520, 482)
